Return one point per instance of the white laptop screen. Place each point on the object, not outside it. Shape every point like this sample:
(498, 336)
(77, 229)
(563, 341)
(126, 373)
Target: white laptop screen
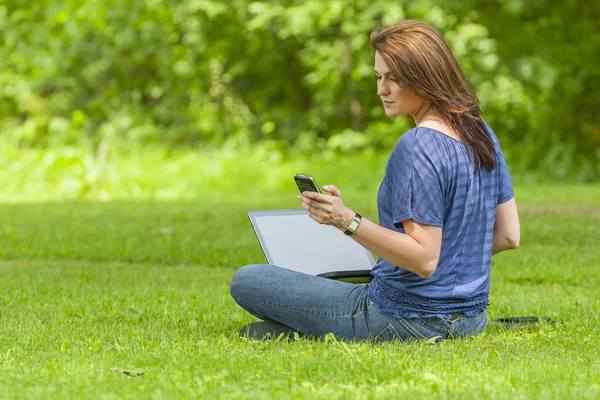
(291, 239)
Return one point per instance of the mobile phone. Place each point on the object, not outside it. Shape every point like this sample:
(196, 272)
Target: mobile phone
(521, 320)
(306, 183)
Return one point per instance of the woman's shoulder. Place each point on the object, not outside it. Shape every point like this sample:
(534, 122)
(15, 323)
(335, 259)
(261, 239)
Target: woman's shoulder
(405, 147)
(424, 139)
(416, 145)
(407, 136)
(412, 138)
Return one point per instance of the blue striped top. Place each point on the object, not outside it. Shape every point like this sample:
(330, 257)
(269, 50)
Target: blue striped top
(430, 178)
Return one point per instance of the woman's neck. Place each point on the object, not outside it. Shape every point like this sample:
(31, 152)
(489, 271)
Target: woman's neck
(432, 119)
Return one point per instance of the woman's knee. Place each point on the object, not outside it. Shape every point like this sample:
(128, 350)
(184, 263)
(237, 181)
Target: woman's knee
(244, 280)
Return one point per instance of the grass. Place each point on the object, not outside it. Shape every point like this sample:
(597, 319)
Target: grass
(143, 285)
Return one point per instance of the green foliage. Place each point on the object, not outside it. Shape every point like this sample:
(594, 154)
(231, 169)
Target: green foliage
(298, 74)
(264, 171)
(144, 286)
(547, 52)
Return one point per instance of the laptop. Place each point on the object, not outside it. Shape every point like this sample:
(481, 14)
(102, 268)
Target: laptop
(291, 239)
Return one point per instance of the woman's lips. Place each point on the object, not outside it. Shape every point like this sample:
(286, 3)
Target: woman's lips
(387, 103)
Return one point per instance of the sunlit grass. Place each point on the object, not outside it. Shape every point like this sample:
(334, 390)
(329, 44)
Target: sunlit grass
(129, 267)
(144, 286)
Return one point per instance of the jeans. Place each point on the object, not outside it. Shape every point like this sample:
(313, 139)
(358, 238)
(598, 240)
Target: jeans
(317, 306)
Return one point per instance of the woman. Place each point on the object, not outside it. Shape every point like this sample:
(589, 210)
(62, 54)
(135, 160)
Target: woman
(446, 205)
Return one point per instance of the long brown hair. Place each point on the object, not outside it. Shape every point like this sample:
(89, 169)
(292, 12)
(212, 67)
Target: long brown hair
(421, 62)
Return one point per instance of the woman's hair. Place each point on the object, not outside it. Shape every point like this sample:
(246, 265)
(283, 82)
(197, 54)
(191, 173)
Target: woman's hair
(421, 62)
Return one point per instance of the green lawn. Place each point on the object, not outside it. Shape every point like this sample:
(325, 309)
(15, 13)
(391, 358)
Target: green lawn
(144, 285)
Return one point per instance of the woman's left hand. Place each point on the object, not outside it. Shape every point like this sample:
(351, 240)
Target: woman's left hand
(329, 210)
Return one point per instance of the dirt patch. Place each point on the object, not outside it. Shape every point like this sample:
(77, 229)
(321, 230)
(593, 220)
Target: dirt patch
(591, 211)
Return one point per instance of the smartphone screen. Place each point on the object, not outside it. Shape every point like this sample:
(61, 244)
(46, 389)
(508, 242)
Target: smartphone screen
(306, 183)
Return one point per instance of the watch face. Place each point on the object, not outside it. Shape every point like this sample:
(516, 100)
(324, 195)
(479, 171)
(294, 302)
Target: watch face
(353, 225)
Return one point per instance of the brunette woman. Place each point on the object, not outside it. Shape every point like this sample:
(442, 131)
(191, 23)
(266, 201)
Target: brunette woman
(446, 205)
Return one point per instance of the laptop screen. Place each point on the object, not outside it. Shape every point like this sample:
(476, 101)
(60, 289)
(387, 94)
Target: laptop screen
(291, 239)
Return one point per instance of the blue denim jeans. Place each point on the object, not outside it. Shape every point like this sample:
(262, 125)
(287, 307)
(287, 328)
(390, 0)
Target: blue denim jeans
(317, 306)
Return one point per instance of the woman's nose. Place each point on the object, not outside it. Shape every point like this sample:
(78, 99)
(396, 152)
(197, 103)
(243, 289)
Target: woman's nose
(382, 89)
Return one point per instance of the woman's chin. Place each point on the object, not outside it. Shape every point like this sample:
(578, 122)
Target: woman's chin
(391, 113)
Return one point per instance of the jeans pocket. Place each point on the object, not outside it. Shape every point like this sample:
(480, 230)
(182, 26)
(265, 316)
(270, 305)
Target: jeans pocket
(436, 326)
(480, 325)
(470, 326)
(388, 334)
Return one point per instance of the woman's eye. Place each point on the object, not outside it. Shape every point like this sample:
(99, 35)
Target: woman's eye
(378, 78)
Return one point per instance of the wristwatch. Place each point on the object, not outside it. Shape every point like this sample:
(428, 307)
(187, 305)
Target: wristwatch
(353, 225)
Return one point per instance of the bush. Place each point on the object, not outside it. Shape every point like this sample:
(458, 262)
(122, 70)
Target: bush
(201, 73)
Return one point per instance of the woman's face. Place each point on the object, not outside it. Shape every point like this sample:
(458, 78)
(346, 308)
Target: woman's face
(396, 101)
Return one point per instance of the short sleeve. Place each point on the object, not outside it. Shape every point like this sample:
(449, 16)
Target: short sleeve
(416, 190)
(505, 188)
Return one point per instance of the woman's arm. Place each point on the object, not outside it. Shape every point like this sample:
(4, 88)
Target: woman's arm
(417, 251)
(507, 230)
